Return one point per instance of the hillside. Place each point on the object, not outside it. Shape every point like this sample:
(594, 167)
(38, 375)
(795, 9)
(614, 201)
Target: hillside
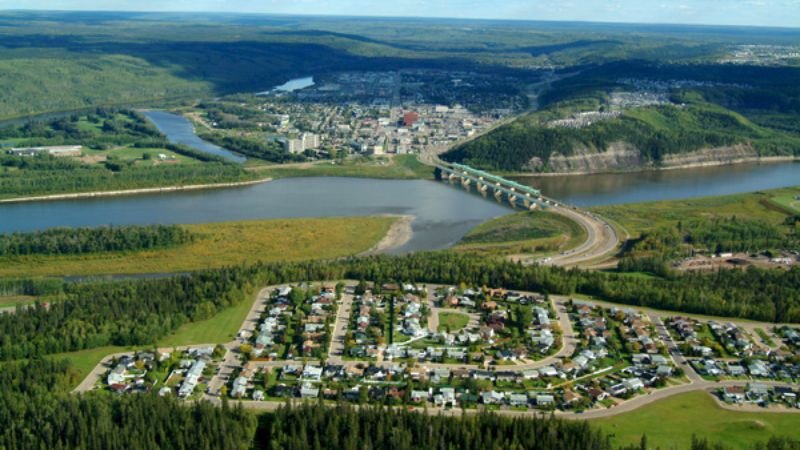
(629, 116)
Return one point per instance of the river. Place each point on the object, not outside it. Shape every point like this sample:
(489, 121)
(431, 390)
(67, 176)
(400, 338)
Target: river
(179, 130)
(443, 213)
(654, 185)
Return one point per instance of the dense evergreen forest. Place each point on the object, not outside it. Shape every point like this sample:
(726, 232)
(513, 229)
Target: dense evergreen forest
(37, 412)
(62, 241)
(139, 312)
(347, 428)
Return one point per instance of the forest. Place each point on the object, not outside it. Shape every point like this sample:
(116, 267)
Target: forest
(37, 412)
(716, 235)
(139, 312)
(45, 174)
(74, 241)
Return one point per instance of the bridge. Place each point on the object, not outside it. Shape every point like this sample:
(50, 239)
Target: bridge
(516, 194)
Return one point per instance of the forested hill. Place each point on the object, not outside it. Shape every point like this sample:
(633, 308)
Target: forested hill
(713, 115)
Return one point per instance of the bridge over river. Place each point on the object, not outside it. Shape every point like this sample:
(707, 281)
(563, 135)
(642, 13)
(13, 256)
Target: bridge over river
(601, 237)
(518, 195)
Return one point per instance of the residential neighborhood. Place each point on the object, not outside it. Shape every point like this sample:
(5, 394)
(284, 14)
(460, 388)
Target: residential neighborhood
(465, 347)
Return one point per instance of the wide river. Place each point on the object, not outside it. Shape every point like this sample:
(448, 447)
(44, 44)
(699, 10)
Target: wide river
(443, 213)
(653, 185)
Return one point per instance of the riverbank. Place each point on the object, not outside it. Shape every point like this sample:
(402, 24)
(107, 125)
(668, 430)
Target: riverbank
(156, 190)
(220, 244)
(398, 235)
(695, 165)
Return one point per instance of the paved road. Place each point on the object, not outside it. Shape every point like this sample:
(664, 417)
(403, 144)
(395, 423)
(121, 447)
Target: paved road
(336, 349)
(569, 341)
(601, 239)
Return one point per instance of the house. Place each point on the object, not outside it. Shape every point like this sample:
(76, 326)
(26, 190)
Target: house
(312, 373)
(445, 397)
(239, 387)
(117, 375)
(548, 371)
(633, 384)
(757, 392)
(492, 398)
(419, 396)
(518, 400)
(530, 374)
(785, 393)
(545, 400)
(258, 395)
(309, 391)
(597, 395)
(733, 394)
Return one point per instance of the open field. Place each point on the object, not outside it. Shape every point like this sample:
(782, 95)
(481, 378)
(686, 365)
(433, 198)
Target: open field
(640, 217)
(220, 244)
(452, 321)
(219, 329)
(672, 422)
(14, 300)
(396, 167)
(525, 232)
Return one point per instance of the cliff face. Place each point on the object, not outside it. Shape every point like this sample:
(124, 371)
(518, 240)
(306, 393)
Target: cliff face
(621, 157)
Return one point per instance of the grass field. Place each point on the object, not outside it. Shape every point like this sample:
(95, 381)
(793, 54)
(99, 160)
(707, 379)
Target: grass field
(386, 167)
(638, 217)
(219, 329)
(220, 244)
(14, 300)
(452, 321)
(525, 232)
(670, 423)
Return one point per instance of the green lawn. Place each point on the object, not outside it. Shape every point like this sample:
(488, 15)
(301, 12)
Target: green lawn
(452, 321)
(670, 423)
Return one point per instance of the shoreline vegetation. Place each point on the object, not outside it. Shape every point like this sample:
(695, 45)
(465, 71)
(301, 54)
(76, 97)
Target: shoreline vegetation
(155, 190)
(222, 244)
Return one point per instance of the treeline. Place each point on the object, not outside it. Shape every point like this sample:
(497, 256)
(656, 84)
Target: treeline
(346, 428)
(62, 241)
(45, 174)
(38, 413)
(717, 235)
(142, 311)
(119, 313)
(267, 150)
(108, 127)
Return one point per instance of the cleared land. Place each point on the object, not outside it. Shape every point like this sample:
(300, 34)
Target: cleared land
(525, 232)
(452, 321)
(396, 167)
(640, 217)
(672, 422)
(220, 244)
